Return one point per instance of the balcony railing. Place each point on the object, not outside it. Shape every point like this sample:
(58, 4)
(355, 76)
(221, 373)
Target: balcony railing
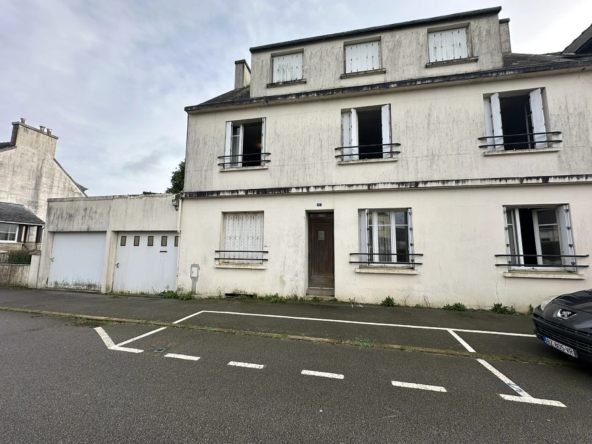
(513, 145)
(363, 152)
(365, 259)
(241, 256)
(515, 259)
(243, 160)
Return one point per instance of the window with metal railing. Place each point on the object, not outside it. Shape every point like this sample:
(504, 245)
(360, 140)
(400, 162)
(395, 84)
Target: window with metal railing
(242, 239)
(245, 145)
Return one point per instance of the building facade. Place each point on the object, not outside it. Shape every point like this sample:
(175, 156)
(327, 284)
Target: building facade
(423, 161)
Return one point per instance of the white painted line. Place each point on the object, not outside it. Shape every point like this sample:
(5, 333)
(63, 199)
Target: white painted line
(185, 357)
(322, 374)
(500, 375)
(141, 336)
(378, 324)
(111, 346)
(434, 388)
(190, 316)
(533, 400)
(462, 341)
(245, 364)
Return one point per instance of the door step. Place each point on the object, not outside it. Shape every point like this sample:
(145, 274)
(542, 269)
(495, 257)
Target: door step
(320, 291)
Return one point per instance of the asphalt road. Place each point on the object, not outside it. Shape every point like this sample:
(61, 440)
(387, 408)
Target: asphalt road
(60, 383)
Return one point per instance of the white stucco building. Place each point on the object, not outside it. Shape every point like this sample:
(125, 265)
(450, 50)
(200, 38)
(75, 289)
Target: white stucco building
(422, 160)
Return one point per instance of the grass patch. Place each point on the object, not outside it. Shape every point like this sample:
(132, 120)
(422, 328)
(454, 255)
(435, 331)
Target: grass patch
(273, 298)
(362, 343)
(504, 309)
(92, 323)
(388, 302)
(458, 306)
(174, 295)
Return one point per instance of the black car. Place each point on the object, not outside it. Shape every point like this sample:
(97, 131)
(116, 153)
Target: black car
(565, 323)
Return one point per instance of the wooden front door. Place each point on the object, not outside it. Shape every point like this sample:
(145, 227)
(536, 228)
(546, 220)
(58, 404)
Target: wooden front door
(321, 265)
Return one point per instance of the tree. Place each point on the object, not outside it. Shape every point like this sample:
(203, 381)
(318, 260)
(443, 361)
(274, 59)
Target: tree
(177, 179)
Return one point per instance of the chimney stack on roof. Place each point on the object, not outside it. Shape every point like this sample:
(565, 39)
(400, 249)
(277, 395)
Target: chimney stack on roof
(23, 120)
(242, 74)
(42, 129)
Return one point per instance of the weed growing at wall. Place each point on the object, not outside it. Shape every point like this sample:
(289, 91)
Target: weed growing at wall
(174, 295)
(458, 306)
(503, 309)
(388, 302)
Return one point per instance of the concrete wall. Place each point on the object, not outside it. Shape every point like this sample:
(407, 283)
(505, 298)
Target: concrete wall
(404, 55)
(15, 275)
(30, 174)
(109, 214)
(458, 231)
(437, 127)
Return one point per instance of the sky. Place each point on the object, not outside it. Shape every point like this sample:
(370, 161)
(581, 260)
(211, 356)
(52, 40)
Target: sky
(111, 77)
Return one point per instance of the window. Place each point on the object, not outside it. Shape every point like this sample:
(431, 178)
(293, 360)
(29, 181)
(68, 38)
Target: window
(515, 121)
(176, 241)
(150, 241)
(386, 237)
(367, 133)
(163, 241)
(450, 44)
(361, 57)
(136, 241)
(122, 241)
(539, 236)
(287, 68)
(245, 144)
(242, 238)
(8, 232)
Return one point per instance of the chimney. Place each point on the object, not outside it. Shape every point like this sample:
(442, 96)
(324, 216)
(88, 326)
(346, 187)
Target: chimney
(23, 120)
(504, 25)
(42, 129)
(242, 74)
(49, 131)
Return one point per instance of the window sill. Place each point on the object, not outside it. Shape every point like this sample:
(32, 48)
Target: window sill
(363, 73)
(243, 266)
(451, 62)
(357, 162)
(527, 151)
(543, 275)
(232, 169)
(386, 270)
(291, 82)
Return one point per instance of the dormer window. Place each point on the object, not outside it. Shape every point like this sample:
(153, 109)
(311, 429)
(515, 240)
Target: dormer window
(449, 44)
(362, 57)
(287, 68)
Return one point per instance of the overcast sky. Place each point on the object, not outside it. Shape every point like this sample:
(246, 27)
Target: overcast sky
(111, 77)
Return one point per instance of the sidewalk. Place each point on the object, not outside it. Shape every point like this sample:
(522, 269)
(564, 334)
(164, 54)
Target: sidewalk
(413, 327)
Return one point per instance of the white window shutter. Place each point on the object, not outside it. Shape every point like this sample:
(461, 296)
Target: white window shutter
(263, 148)
(354, 134)
(509, 234)
(228, 144)
(362, 57)
(287, 68)
(346, 136)
(488, 122)
(386, 130)
(538, 118)
(410, 235)
(363, 224)
(496, 120)
(565, 233)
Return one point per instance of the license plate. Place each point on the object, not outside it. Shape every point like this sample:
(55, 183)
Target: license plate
(564, 348)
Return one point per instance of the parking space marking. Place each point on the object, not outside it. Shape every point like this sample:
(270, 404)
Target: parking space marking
(462, 341)
(524, 397)
(111, 345)
(141, 336)
(433, 388)
(246, 365)
(322, 374)
(185, 357)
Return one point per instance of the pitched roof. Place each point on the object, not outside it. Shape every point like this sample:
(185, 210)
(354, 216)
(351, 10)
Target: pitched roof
(515, 60)
(16, 213)
(582, 44)
(231, 96)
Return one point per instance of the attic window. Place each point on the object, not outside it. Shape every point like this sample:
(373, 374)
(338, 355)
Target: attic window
(287, 68)
(449, 44)
(362, 57)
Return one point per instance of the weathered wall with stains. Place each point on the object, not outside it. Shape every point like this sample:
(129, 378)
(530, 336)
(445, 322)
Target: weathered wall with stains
(404, 54)
(438, 129)
(14, 275)
(29, 174)
(458, 231)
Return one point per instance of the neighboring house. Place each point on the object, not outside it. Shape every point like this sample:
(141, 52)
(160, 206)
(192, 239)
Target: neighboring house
(29, 175)
(19, 226)
(422, 160)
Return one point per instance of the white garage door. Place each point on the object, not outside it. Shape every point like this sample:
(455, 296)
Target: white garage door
(77, 260)
(146, 262)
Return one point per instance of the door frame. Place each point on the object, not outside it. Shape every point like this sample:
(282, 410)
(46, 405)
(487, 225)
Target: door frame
(308, 245)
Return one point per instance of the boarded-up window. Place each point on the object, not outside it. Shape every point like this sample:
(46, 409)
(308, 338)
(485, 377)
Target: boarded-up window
(243, 236)
(287, 67)
(362, 57)
(448, 45)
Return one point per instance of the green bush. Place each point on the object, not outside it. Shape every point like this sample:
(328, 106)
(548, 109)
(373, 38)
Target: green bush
(174, 295)
(18, 257)
(273, 298)
(388, 302)
(458, 306)
(503, 309)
